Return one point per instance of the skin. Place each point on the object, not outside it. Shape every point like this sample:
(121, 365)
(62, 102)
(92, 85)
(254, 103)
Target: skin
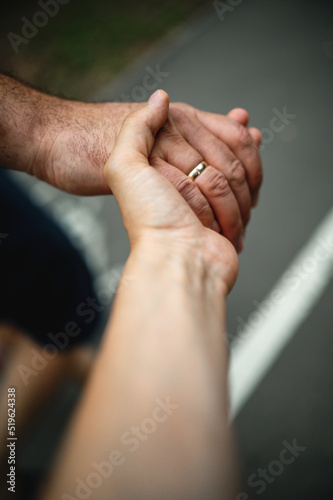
(67, 143)
(165, 340)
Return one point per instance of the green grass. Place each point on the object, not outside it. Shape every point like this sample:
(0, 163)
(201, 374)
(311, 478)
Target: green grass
(87, 43)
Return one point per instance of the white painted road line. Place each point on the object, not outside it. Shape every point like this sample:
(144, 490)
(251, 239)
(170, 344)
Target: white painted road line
(280, 314)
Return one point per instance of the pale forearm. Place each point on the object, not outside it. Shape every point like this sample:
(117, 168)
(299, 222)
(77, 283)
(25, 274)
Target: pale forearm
(171, 314)
(169, 322)
(165, 344)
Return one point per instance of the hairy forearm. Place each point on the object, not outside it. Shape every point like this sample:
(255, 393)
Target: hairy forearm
(164, 344)
(19, 111)
(65, 143)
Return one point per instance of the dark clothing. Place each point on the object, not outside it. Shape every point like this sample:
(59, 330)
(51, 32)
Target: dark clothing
(43, 277)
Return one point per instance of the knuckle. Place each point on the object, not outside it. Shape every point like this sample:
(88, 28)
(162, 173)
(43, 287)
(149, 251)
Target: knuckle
(174, 148)
(242, 136)
(218, 185)
(197, 201)
(237, 174)
(185, 185)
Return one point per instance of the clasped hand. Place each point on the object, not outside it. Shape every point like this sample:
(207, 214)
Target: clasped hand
(76, 145)
(157, 218)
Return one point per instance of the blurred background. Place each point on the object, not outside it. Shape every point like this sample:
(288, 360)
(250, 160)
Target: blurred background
(274, 58)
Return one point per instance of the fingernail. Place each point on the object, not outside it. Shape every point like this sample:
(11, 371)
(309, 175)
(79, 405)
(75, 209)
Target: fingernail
(216, 227)
(154, 96)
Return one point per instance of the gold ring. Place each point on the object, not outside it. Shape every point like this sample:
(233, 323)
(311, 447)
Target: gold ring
(197, 170)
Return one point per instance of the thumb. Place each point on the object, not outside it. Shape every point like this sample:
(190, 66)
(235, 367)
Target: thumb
(135, 142)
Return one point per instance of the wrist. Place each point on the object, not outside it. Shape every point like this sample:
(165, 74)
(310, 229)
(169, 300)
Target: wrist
(189, 263)
(75, 143)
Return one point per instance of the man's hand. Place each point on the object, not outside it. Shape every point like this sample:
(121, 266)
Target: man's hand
(221, 197)
(67, 143)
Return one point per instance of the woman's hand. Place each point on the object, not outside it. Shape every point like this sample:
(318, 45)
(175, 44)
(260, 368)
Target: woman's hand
(163, 361)
(156, 216)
